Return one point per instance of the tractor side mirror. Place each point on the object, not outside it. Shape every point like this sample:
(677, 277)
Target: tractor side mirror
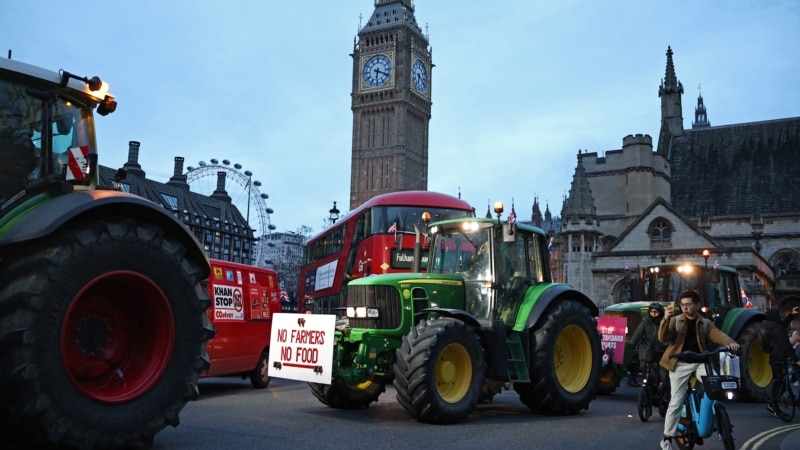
(510, 232)
(714, 276)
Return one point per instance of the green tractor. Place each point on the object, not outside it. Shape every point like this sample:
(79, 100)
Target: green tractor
(103, 327)
(484, 316)
(722, 303)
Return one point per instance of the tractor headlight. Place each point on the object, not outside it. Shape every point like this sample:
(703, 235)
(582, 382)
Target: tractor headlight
(362, 312)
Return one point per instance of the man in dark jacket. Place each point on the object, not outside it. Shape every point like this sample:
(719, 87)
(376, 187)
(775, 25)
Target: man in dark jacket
(781, 350)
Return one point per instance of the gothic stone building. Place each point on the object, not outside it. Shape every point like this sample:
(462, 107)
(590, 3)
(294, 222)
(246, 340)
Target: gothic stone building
(732, 189)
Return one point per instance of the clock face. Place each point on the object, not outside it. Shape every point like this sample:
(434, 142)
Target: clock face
(377, 70)
(419, 75)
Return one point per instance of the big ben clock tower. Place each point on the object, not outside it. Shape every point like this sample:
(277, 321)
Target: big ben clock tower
(391, 103)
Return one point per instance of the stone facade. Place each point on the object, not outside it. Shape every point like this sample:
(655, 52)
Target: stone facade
(730, 189)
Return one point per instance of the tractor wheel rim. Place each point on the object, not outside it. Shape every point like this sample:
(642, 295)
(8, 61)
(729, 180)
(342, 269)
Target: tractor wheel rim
(117, 337)
(453, 373)
(572, 358)
(758, 366)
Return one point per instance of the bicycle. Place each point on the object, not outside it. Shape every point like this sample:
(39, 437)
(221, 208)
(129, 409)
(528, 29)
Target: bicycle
(655, 391)
(703, 412)
(784, 397)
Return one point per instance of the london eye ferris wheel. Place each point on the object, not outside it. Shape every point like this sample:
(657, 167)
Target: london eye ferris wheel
(245, 194)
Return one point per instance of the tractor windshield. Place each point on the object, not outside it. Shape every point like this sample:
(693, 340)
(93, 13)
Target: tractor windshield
(37, 131)
(717, 287)
(466, 249)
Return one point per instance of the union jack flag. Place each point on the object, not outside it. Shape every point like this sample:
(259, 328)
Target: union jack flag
(393, 228)
(745, 300)
(513, 216)
(550, 246)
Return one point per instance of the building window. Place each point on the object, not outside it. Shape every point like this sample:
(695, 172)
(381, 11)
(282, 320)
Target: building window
(170, 200)
(660, 232)
(788, 263)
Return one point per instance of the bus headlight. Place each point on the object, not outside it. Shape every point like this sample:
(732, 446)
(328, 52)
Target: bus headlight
(362, 312)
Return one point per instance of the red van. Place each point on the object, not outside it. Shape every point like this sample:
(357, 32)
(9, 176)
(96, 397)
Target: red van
(243, 300)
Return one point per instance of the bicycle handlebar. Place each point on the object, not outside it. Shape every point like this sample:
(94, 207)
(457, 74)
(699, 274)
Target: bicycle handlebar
(694, 357)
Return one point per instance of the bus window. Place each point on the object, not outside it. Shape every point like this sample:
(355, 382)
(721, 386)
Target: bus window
(376, 237)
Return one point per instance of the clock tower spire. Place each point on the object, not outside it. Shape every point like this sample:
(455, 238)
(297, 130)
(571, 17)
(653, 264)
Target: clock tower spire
(391, 103)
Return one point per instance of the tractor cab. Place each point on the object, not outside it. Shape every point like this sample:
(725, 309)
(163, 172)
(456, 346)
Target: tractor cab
(497, 262)
(718, 286)
(47, 141)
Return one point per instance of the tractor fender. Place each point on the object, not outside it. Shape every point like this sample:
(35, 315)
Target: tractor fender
(543, 298)
(68, 208)
(457, 314)
(737, 319)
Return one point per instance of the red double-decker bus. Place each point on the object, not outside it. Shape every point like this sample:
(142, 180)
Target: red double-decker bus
(377, 237)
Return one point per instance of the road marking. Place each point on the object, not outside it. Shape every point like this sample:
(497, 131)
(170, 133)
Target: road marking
(758, 440)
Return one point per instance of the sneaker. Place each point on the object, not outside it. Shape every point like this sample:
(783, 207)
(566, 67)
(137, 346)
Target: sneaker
(666, 444)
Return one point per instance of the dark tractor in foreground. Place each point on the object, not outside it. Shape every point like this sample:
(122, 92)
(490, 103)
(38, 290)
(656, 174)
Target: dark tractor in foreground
(483, 317)
(103, 327)
(722, 303)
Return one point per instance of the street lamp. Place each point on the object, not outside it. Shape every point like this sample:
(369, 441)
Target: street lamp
(706, 254)
(334, 213)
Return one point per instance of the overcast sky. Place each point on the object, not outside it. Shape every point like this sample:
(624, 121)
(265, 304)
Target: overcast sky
(518, 85)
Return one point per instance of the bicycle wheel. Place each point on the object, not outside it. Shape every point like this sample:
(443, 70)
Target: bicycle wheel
(644, 403)
(784, 400)
(724, 427)
(687, 430)
(662, 398)
(663, 404)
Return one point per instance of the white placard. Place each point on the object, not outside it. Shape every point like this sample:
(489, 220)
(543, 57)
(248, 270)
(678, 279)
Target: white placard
(301, 347)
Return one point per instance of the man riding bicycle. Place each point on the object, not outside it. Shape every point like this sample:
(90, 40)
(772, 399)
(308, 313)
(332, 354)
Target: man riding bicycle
(647, 334)
(686, 331)
(780, 352)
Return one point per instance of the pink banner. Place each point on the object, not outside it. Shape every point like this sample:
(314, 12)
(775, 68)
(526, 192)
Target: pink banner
(612, 331)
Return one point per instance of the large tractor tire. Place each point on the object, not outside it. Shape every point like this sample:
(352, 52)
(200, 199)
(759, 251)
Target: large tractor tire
(440, 370)
(342, 395)
(755, 371)
(103, 330)
(565, 361)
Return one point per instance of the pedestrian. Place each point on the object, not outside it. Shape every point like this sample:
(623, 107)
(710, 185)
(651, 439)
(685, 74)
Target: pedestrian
(646, 334)
(794, 336)
(686, 331)
(790, 313)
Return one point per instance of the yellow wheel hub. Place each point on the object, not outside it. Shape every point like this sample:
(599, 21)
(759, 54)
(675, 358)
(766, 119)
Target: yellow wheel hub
(453, 373)
(361, 386)
(572, 358)
(758, 366)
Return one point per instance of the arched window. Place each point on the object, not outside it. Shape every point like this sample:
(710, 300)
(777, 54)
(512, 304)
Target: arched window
(660, 232)
(787, 263)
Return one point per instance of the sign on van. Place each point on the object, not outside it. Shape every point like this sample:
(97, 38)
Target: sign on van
(301, 347)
